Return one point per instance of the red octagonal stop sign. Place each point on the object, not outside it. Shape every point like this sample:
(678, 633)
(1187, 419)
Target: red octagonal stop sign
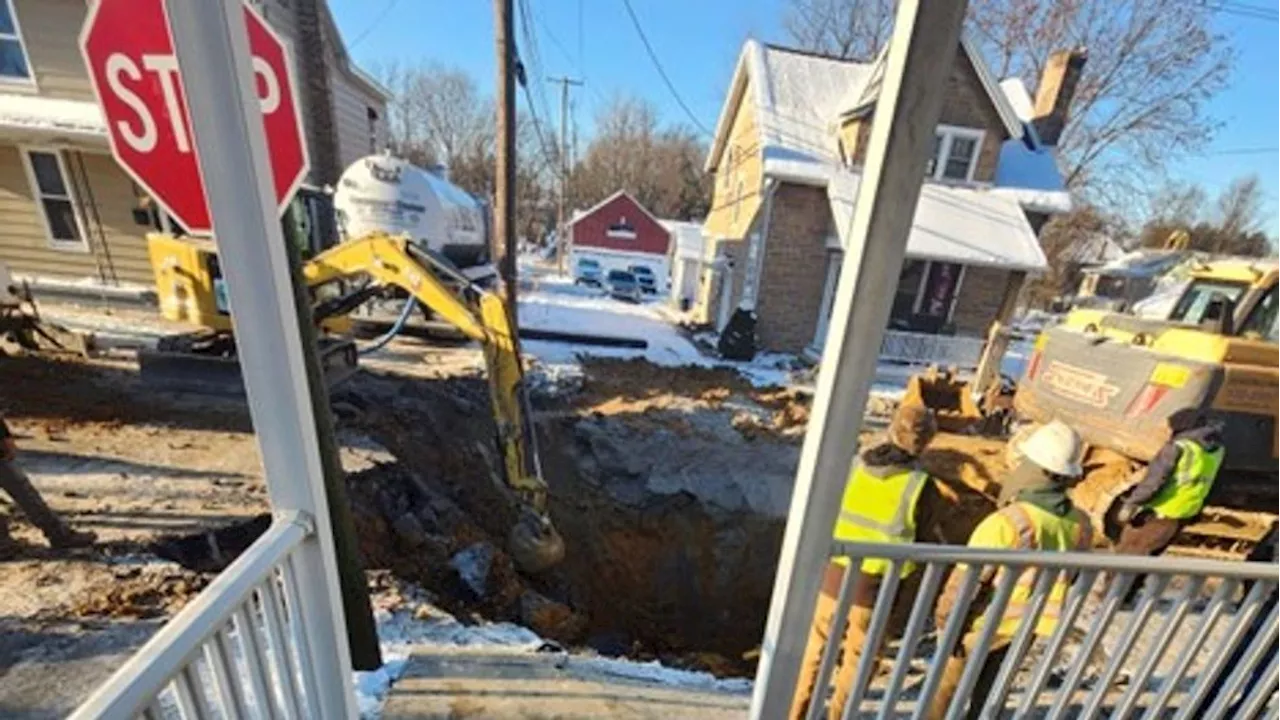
(129, 52)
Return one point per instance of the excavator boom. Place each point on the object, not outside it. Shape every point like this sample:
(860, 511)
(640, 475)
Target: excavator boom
(482, 316)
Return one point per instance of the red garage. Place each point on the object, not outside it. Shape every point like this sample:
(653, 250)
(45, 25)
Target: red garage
(620, 233)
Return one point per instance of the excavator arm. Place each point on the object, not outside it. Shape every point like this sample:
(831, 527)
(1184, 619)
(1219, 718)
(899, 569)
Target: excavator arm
(482, 316)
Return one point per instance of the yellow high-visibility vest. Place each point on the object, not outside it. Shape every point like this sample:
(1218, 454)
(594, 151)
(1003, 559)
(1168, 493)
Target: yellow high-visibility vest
(1182, 496)
(1024, 526)
(879, 510)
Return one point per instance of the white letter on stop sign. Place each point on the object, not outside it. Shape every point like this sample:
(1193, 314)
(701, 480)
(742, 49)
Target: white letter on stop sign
(119, 64)
(271, 101)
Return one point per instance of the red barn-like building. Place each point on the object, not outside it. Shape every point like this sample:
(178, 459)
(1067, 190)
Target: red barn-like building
(620, 233)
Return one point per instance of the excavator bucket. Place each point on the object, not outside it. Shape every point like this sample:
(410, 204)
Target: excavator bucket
(950, 398)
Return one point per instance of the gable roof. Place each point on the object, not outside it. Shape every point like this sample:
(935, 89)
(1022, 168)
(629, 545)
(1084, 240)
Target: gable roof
(799, 96)
(794, 95)
(858, 100)
(579, 214)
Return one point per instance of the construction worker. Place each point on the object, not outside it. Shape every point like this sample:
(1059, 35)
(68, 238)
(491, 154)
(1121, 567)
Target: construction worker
(16, 484)
(1039, 516)
(885, 501)
(1175, 486)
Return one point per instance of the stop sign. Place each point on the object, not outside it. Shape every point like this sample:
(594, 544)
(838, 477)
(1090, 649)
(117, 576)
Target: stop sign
(128, 50)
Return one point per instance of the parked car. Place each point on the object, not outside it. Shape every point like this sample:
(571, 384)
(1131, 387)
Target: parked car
(587, 272)
(622, 285)
(644, 276)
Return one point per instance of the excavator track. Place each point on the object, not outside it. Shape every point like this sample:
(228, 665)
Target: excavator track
(1241, 513)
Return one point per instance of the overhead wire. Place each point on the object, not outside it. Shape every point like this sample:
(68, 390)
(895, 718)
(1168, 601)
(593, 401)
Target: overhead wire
(386, 9)
(635, 21)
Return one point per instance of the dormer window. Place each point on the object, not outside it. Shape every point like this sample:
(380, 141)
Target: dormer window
(955, 154)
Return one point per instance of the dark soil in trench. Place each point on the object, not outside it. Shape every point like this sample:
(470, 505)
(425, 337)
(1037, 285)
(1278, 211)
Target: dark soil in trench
(662, 576)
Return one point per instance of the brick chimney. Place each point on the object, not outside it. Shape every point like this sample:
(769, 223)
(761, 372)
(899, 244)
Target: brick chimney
(1053, 96)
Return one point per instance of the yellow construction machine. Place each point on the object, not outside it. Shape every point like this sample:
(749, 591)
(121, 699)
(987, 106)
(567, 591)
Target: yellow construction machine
(190, 289)
(1117, 378)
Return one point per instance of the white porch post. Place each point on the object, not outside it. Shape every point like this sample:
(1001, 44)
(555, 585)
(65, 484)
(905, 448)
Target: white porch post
(925, 37)
(212, 48)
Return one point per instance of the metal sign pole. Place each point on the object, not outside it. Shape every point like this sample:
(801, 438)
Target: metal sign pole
(217, 74)
(926, 38)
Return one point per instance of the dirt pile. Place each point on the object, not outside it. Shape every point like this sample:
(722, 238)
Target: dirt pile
(140, 593)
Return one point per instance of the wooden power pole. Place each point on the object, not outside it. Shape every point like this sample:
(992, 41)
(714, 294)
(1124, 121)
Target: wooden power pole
(565, 83)
(504, 206)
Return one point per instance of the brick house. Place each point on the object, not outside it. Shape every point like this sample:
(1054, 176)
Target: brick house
(787, 154)
(67, 211)
(618, 233)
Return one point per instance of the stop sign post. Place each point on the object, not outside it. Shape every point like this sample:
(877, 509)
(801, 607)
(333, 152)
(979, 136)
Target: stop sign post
(128, 49)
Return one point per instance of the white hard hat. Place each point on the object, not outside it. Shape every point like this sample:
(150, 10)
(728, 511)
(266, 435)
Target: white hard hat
(1054, 447)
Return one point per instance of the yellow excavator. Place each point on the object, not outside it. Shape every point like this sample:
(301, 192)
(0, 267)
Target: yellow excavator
(1117, 378)
(189, 287)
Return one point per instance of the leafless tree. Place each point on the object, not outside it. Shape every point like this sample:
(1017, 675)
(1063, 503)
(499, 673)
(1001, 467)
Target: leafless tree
(438, 117)
(849, 29)
(661, 168)
(1142, 101)
(1231, 225)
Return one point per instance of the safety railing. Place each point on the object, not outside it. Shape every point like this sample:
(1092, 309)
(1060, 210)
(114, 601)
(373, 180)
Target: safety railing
(1135, 637)
(238, 650)
(927, 349)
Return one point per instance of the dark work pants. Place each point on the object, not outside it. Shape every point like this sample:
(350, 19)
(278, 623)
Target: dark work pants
(16, 485)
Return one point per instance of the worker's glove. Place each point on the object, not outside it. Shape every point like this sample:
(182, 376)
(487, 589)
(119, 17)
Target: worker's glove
(1127, 513)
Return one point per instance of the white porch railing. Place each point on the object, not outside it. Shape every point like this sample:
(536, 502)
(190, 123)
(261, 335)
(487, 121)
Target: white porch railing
(912, 348)
(1198, 640)
(238, 650)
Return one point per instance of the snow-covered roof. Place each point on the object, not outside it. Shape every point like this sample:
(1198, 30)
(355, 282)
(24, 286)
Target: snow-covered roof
(795, 97)
(33, 116)
(971, 226)
(1015, 92)
(1143, 263)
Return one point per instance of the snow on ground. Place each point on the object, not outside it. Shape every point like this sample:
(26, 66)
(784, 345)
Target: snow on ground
(555, 303)
(423, 627)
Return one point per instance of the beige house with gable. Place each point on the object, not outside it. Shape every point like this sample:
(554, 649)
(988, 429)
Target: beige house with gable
(67, 211)
(787, 155)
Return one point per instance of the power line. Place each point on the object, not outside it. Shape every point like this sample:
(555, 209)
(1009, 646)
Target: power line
(658, 64)
(1245, 151)
(568, 57)
(376, 21)
(1242, 10)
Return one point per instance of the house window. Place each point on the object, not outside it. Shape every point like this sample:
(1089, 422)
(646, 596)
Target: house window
(955, 154)
(372, 116)
(56, 198)
(926, 295)
(14, 64)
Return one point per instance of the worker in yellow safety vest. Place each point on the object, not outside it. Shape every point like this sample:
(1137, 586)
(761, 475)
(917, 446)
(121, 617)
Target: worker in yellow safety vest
(1039, 516)
(886, 500)
(1175, 486)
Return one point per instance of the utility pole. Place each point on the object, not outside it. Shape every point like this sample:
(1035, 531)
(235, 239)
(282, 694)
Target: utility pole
(504, 206)
(565, 83)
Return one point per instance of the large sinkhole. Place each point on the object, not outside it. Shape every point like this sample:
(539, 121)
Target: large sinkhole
(669, 486)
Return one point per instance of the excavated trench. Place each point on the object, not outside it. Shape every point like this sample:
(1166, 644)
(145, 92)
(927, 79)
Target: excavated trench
(670, 488)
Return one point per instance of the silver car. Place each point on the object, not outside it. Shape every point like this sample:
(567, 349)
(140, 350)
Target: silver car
(622, 285)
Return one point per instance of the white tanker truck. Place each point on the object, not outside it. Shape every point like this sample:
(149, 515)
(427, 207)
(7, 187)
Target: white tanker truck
(388, 194)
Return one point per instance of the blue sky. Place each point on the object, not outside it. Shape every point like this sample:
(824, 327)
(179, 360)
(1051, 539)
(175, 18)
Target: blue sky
(698, 43)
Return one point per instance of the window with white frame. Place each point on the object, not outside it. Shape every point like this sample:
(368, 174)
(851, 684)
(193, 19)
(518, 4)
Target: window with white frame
(955, 153)
(14, 64)
(55, 196)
